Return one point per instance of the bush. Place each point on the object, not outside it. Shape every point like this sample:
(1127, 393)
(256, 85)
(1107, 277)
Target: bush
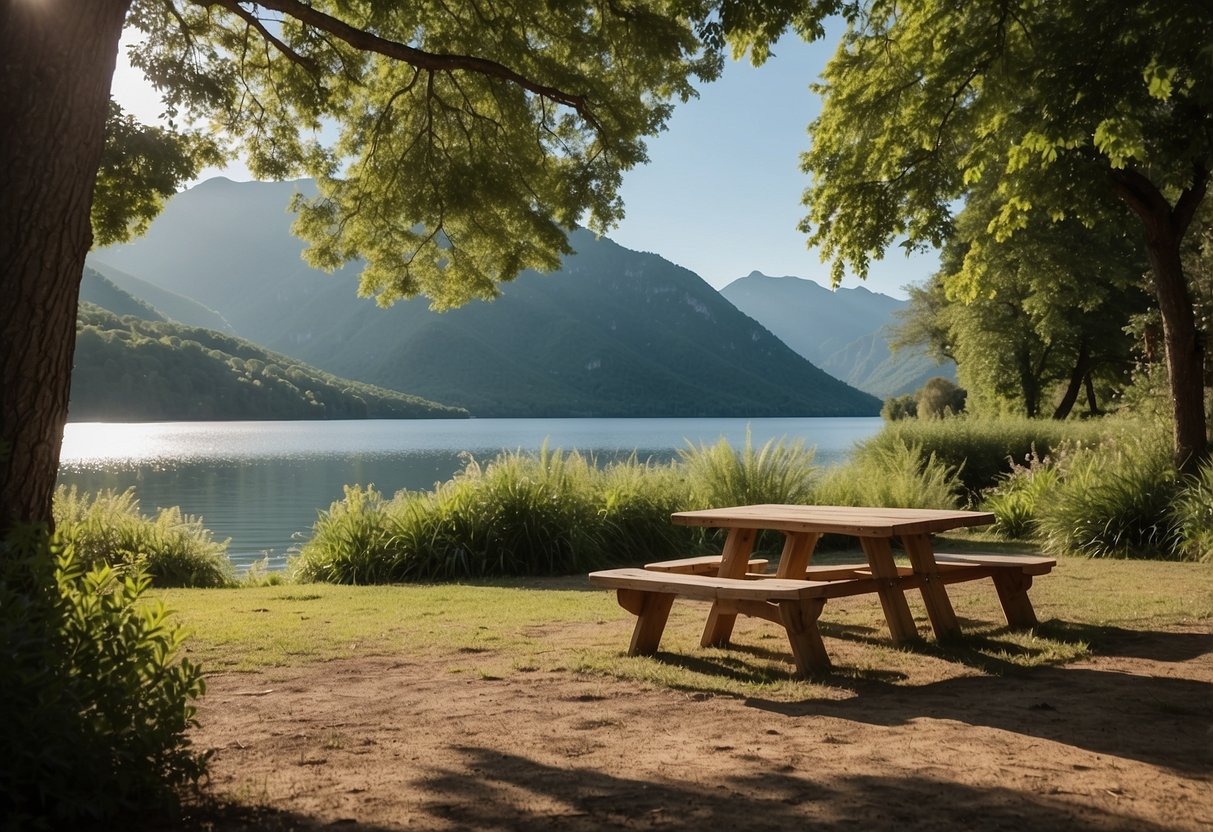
(985, 450)
(1114, 501)
(1192, 516)
(109, 529)
(1015, 499)
(893, 475)
(96, 705)
(779, 472)
(551, 513)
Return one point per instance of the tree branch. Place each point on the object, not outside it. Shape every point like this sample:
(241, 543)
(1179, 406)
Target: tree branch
(1190, 199)
(251, 19)
(368, 42)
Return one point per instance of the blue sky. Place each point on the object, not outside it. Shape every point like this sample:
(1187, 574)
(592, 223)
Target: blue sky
(721, 192)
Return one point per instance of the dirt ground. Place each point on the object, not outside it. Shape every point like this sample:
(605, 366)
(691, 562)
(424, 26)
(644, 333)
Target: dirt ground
(1120, 741)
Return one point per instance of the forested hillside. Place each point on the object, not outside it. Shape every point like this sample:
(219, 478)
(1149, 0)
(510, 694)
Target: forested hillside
(844, 332)
(613, 333)
(147, 370)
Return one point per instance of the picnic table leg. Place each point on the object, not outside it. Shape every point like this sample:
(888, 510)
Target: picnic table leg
(800, 620)
(797, 552)
(934, 595)
(734, 561)
(892, 599)
(652, 610)
(1013, 593)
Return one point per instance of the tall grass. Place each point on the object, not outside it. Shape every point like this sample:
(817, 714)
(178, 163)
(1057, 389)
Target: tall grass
(1113, 502)
(778, 472)
(891, 474)
(1192, 516)
(551, 513)
(108, 529)
(984, 450)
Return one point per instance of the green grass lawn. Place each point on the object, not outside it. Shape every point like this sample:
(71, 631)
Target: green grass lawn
(506, 627)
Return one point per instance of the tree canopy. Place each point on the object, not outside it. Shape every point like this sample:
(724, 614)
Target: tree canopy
(1049, 107)
(468, 138)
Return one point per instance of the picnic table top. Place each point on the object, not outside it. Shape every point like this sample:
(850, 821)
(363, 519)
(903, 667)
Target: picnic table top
(849, 520)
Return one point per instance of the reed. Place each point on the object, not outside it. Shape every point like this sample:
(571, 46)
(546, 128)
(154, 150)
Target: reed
(108, 529)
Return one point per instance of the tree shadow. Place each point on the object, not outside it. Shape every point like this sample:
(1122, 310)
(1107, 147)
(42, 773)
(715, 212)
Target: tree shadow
(582, 799)
(1164, 721)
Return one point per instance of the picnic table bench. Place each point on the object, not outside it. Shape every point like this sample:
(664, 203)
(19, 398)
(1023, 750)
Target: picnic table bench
(737, 584)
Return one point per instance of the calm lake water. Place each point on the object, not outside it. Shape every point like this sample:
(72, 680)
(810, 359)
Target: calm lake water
(261, 483)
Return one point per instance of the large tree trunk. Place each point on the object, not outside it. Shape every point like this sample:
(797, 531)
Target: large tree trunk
(1165, 227)
(57, 61)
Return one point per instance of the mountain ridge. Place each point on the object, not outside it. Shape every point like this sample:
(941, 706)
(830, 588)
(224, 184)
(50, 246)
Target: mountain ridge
(613, 333)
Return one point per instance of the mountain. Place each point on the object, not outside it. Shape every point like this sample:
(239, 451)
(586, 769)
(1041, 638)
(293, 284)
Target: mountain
(146, 369)
(613, 333)
(845, 331)
(101, 291)
(169, 305)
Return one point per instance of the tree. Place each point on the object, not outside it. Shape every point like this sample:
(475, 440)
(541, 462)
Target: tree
(1052, 106)
(470, 137)
(938, 398)
(1048, 307)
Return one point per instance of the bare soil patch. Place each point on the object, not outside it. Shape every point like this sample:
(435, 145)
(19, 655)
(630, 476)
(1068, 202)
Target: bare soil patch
(1123, 741)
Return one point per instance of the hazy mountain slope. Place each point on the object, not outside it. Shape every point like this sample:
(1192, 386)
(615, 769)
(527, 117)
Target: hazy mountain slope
(134, 369)
(615, 333)
(845, 332)
(98, 290)
(170, 305)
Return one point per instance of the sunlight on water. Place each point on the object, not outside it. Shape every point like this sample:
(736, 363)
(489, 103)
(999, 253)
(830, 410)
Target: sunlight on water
(262, 483)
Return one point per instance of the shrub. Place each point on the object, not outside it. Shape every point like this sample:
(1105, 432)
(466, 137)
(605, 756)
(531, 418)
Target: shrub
(1015, 499)
(778, 472)
(109, 529)
(96, 705)
(984, 450)
(551, 513)
(1113, 501)
(1192, 516)
(895, 475)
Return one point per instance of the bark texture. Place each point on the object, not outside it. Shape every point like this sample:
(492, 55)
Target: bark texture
(56, 62)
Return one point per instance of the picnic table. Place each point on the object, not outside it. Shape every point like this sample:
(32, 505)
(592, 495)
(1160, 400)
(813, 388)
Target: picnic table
(795, 595)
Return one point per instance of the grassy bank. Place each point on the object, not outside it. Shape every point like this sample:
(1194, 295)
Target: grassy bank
(543, 625)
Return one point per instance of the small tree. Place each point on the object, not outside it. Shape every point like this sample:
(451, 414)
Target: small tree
(938, 398)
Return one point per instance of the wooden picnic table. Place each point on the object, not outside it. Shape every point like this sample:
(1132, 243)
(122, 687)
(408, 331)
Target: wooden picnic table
(875, 528)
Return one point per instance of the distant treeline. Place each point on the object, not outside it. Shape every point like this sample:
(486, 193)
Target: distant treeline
(128, 368)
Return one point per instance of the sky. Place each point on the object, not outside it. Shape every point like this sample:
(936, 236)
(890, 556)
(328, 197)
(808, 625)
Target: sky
(721, 194)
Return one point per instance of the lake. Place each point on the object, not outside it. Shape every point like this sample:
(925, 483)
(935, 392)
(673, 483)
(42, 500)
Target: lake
(261, 483)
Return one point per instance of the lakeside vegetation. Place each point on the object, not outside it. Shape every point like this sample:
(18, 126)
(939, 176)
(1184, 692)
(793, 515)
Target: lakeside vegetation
(1098, 488)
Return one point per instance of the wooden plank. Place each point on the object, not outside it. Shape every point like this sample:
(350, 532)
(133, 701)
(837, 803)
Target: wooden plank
(702, 565)
(737, 549)
(1013, 595)
(650, 624)
(797, 552)
(708, 587)
(1027, 564)
(808, 650)
(934, 595)
(859, 522)
(892, 598)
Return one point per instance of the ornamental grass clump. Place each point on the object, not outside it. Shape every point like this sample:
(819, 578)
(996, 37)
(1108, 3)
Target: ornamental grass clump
(1114, 501)
(893, 475)
(778, 472)
(550, 513)
(1014, 500)
(108, 528)
(1192, 516)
